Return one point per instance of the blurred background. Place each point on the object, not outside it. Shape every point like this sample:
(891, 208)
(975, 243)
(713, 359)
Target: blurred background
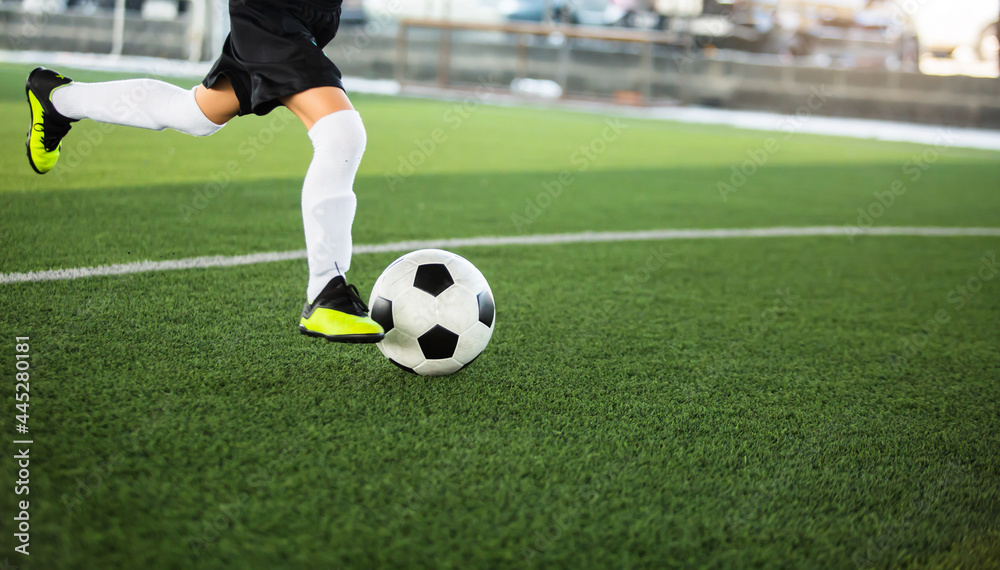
(931, 61)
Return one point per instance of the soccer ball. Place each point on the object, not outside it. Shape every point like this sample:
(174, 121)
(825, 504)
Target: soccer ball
(437, 311)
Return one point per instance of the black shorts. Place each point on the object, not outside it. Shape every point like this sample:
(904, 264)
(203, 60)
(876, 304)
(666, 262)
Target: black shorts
(275, 49)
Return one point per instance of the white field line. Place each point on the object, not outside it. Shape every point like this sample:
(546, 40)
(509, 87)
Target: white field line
(544, 239)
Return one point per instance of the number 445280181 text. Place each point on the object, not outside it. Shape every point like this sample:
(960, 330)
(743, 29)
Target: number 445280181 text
(22, 363)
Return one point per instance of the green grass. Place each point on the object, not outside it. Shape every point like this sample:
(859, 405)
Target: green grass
(744, 403)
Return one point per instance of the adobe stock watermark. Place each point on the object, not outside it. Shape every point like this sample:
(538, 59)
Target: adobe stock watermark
(127, 103)
(453, 118)
(803, 452)
(695, 44)
(105, 468)
(227, 515)
(785, 302)
(725, 360)
(913, 170)
(35, 15)
(957, 299)
(248, 150)
(545, 539)
(631, 283)
(758, 157)
(582, 159)
(435, 480)
(377, 23)
(417, 497)
(890, 539)
(901, 17)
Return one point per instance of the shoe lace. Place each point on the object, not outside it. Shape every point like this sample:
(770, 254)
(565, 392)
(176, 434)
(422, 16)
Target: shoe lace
(53, 133)
(355, 296)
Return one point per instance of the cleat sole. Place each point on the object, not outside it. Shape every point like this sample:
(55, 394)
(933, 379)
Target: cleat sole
(344, 338)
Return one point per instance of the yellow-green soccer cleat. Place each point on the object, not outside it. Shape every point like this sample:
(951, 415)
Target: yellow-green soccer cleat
(48, 127)
(339, 315)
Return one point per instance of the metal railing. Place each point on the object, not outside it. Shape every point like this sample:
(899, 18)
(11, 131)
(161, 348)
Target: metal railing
(51, 26)
(646, 39)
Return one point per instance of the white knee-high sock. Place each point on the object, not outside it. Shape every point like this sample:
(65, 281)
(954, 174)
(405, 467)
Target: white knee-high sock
(328, 200)
(143, 103)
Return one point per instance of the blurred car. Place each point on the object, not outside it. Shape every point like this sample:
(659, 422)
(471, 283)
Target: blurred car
(989, 43)
(628, 13)
(585, 12)
(485, 11)
(352, 13)
(946, 25)
(845, 33)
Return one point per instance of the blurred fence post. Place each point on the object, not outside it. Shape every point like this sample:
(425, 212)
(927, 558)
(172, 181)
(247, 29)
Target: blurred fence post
(522, 56)
(565, 58)
(649, 69)
(219, 18)
(196, 32)
(118, 29)
(684, 60)
(401, 34)
(444, 57)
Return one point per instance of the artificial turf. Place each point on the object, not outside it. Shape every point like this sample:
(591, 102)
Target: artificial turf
(779, 402)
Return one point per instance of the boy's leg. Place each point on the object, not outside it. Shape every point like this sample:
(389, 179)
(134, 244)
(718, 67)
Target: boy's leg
(142, 103)
(334, 309)
(328, 200)
(55, 102)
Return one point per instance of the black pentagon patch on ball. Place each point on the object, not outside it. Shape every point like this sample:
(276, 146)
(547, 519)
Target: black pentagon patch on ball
(381, 313)
(486, 308)
(438, 343)
(433, 278)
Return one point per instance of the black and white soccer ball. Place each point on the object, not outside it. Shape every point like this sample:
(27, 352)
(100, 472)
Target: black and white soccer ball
(437, 311)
